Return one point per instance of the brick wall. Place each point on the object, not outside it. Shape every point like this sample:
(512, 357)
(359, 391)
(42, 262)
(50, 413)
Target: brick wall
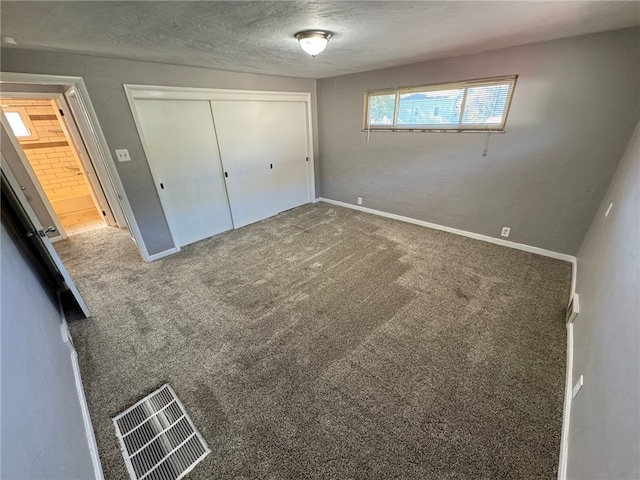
(50, 155)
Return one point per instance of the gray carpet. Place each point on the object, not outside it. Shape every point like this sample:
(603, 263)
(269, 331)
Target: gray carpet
(327, 343)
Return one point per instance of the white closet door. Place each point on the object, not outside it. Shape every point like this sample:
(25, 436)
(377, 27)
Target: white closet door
(263, 150)
(180, 143)
(293, 173)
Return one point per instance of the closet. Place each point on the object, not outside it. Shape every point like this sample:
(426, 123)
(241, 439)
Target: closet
(222, 160)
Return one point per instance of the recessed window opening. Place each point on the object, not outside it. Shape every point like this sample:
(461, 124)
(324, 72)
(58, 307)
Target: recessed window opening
(20, 124)
(468, 106)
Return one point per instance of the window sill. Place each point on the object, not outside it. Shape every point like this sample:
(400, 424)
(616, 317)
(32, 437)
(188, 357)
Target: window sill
(429, 130)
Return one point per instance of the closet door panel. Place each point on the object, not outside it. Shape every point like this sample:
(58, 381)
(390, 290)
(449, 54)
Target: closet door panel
(290, 142)
(180, 143)
(243, 129)
(263, 150)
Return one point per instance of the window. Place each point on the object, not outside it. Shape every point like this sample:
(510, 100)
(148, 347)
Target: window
(473, 105)
(20, 123)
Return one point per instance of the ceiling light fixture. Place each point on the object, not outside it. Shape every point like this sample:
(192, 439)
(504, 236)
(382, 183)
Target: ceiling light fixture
(313, 41)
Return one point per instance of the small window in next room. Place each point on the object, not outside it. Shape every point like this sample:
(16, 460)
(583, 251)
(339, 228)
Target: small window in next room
(20, 123)
(469, 106)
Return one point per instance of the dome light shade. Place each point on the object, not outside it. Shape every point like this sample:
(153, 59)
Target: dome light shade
(313, 41)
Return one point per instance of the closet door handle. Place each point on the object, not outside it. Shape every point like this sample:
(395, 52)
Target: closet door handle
(271, 165)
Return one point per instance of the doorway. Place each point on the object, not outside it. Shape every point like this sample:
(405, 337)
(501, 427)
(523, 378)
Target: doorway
(56, 162)
(84, 128)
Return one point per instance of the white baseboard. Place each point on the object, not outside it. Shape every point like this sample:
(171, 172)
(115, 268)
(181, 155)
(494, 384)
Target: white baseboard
(455, 231)
(82, 399)
(91, 438)
(566, 415)
(157, 256)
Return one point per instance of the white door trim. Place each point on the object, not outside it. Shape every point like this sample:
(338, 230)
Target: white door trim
(95, 185)
(159, 92)
(104, 167)
(96, 145)
(134, 92)
(154, 175)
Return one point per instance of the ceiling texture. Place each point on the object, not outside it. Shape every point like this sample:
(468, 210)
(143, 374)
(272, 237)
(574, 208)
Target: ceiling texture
(258, 37)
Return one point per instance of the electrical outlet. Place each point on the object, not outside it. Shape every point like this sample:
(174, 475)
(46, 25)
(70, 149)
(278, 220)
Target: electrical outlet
(578, 386)
(359, 200)
(123, 155)
(505, 231)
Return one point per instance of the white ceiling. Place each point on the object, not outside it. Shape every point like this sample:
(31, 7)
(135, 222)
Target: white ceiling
(258, 37)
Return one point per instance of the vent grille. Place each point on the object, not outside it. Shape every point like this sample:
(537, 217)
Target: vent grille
(158, 439)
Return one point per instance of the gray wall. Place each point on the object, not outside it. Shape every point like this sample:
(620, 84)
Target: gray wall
(573, 112)
(104, 79)
(604, 437)
(43, 433)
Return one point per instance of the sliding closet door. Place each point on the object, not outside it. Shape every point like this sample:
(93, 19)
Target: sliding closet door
(293, 173)
(180, 143)
(263, 150)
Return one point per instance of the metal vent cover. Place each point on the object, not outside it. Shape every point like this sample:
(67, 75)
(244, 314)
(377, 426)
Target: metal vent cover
(158, 439)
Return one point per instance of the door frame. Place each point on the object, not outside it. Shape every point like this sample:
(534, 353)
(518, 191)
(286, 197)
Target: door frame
(96, 188)
(155, 92)
(70, 128)
(95, 143)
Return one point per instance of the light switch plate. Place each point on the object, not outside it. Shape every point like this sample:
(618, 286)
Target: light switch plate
(123, 155)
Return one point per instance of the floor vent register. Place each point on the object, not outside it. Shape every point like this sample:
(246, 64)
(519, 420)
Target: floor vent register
(158, 439)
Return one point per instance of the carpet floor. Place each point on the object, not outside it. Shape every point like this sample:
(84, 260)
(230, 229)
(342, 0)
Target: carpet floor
(327, 343)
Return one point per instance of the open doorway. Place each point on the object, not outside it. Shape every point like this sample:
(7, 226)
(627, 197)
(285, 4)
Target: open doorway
(57, 162)
(83, 127)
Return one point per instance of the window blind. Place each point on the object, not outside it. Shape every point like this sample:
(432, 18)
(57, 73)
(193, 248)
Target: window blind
(472, 105)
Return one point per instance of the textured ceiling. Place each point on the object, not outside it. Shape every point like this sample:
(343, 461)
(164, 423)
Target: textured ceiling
(258, 37)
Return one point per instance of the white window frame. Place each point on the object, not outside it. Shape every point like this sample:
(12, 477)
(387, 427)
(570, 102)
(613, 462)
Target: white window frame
(466, 84)
(26, 121)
